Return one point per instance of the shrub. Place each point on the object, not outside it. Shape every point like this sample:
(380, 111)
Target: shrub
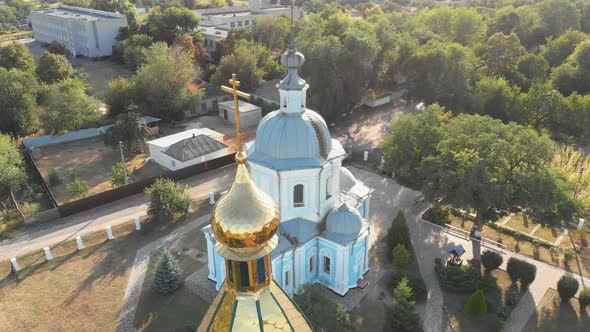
(401, 255)
(504, 312)
(584, 297)
(419, 289)
(77, 188)
(512, 268)
(440, 215)
(511, 296)
(569, 255)
(491, 260)
(53, 178)
(119, 177)
(499, 324)
(403, 316)
(166, 198)
(168, 275)
(399, 233)
(464, 279)
(567, 287)
(477, 306)
(528, 272)
(71, 175)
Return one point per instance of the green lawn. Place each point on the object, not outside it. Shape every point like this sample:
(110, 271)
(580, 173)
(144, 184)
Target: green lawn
(548, 233)
(517, 222)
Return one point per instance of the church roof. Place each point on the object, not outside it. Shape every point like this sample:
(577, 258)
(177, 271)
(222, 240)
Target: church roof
(194, 147)
(294, 232)
(269, 309)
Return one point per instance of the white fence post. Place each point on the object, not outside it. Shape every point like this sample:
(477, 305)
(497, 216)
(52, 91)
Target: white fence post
(109, 233)
(15, 267)
(190, 207)
(79, 242)
(211, 198)
(137, 223)
(47, 253)
(366, 156)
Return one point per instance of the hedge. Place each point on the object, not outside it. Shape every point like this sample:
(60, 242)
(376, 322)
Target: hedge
(463, 279)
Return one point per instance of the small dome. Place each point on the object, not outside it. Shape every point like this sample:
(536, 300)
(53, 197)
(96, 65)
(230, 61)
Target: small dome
(245, 219)
(286, 136)
(344, 220)
(292, 59)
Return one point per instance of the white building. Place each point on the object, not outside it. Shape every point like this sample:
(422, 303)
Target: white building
(187, 148)
(82, 31)
(217, 22)
(324, 210)
(250, 114)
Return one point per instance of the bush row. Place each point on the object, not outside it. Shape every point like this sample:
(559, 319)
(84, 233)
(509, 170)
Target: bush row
(520, 235)
(461, 279)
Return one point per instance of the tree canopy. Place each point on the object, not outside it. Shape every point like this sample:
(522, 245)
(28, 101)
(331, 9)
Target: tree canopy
(130, 129)
(164, 24)
(12, 173)
(53, 67)
(17, 102)
(16, 56)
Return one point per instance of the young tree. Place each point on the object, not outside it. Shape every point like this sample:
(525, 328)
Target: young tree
(398, 232)
(12, 173)
(168, 274)
(477, 305)
(166, 198)
(77, 188)
(162, 82)
(567, 287)
(67, 107)
(120, 175)
(16, 56)
(495, 97)
(243, 63)
(119, 96)
(130, 129)
(272, 32)
(53, 68)
(134, 50)
(18, 91)
(402, 315)
(401, 255)
(164, 24)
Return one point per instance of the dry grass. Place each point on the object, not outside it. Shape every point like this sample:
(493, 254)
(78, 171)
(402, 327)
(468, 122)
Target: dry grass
(91, 161)
(554, 315)
(517, 222)
(548, 233)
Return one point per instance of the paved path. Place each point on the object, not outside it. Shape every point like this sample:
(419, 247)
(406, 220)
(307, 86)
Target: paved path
(110, 214)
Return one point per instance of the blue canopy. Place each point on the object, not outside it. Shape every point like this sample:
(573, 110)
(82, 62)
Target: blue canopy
(458, 249)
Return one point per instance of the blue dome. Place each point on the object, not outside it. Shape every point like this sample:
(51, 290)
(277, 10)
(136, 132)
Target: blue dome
(344, 220)
(286, 136)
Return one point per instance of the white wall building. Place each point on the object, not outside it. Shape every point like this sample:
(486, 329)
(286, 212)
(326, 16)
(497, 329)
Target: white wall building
(250, 114)
(187, 148)
(82, 31)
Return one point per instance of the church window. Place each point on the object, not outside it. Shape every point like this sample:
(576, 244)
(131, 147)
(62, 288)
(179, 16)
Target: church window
(327, 264)
(244, 276)
(285, 102)
(328, 187)
(312, 264)
(298, 195)
(239, 23)
(260, 268)
(233, 24)
(287, 278)
(247, 23)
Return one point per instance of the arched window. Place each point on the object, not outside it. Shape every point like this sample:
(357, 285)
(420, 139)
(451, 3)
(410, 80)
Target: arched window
(328, 187)
(298, 195)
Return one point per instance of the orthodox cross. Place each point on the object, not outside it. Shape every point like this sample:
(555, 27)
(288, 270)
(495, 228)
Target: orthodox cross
(236, 93)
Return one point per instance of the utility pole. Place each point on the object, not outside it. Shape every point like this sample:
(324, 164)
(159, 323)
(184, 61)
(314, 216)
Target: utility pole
(123, 161)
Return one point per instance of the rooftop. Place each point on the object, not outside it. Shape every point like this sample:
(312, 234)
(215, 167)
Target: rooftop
(194, 147)
(166, 141)
(79, 13)
(244, 106)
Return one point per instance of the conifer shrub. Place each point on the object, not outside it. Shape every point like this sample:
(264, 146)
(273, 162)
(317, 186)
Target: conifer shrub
(416, 283)
(528, 272)
(53, 178)
(476, 305)
(399, 232)
(401, 255)
(168, 275)
(567, 287)
(584, 297)
(403, 316)
(491, 260)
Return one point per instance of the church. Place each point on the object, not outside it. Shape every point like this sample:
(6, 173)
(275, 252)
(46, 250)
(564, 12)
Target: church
(324, 210)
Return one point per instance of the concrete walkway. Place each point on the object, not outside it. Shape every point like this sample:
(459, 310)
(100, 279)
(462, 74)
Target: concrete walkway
(112, 214)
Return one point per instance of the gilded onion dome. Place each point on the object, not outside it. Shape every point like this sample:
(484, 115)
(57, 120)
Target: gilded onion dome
(245, 220)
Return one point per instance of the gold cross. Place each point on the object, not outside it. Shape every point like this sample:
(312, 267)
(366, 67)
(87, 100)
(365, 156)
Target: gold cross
(237, 93)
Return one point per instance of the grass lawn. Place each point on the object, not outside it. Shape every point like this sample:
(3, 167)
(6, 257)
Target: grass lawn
(548, 233)
(181, 310)
(517, 222)
(91, 161)
(80, 292)
(554, 315)
(456, 305)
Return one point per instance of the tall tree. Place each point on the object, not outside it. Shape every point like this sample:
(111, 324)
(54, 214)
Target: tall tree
(117, 6)
(18, 91)
(67, 107)
(12, 173)
(16, 56)
(53, 68)
(560, 48)
(558, 16)
(243, 63)
(165, 23)
(402, 315)
(130, 129)
(496, 98)
(120, 96)
(272, 32)
(501, 53)
(134, 50)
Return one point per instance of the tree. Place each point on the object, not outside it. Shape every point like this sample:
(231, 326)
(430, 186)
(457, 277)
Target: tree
(77, 188)
(12, 173)
(18, 91)
(168, 274)
(398, 232)
(496, 98)
(540, 107)
(567, 287)
(56, 47)
(501, 52)
(130, 129)
(185, 41)
(533, 66)
(164, 24)
(412, 138)
(134, 50)
(401, 255)
(162, 82)
(316, 306)
(581, 58)
(565, 78)
(67, 107)
(117, 6)
(403, 316)
(461, 25)
(243, 63)
(584, 298)
(513, 269)
(17, 56)
(120, 175)
(8, 19)
(477, 306)
(76, 3)
(119, 96)
(559, 49)
(491, 260)
(272, 32)
(53, 67)
(167, 198)
(558, 16)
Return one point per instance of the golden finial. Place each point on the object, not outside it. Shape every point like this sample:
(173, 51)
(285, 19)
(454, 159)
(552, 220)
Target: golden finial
(240, 156)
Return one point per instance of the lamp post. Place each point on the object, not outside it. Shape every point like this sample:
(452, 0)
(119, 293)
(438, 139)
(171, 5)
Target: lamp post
(123, 161)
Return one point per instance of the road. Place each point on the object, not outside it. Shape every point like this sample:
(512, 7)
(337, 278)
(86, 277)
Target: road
(110, 214)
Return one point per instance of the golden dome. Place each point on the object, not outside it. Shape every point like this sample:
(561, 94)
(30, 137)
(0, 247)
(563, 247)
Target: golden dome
(245, 219)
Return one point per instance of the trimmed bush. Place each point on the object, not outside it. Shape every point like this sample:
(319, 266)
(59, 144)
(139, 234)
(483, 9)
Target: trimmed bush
(168, 275)
(569, 255)
(399, 233)
(477, 306)
(504, 312)
(491, 260)
(511, 296)
(512, 268)
(567, 287)
(500, 324)
(464, 279)
(584, 297)
(528, 272)
(401, 255)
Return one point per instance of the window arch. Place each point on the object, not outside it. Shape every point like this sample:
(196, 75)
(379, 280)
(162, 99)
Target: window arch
(298, 196)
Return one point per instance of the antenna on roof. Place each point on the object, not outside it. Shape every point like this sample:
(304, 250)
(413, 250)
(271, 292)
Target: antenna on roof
(292, 38)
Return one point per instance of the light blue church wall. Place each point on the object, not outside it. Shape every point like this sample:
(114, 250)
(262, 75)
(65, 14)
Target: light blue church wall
(330, 250)
(357, 261)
